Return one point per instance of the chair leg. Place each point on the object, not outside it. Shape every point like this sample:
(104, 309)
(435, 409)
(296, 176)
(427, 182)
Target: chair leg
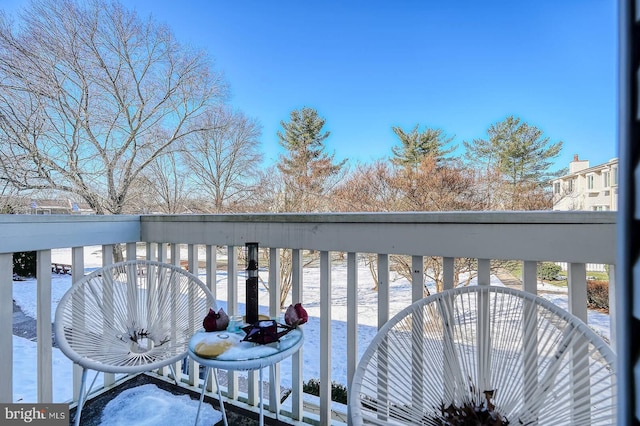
(81, 397)
(175, 376)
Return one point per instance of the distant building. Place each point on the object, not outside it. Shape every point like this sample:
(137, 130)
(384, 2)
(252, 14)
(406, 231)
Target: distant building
(587, 188)
(58, 206)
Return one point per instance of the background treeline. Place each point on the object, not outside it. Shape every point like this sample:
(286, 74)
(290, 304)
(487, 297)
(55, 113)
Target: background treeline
(106, 108)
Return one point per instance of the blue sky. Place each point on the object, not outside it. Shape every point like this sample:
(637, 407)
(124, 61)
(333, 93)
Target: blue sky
(369, 65)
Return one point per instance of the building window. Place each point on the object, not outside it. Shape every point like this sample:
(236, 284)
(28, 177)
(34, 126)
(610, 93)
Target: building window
(590, 182)
(556, 187)
(606, 179)
(570, 185)
(614, 175)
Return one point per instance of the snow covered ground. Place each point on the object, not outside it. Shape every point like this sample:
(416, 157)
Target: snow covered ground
(400, 295)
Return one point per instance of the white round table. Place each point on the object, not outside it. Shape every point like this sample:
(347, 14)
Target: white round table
(241, 355)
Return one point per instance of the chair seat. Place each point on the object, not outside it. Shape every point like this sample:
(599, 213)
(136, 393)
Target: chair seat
(130, 317)
(492, 350)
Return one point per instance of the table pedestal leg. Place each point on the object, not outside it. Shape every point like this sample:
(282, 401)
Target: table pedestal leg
(224, 413)
(204, 388)
(261, 401)
(276, 404)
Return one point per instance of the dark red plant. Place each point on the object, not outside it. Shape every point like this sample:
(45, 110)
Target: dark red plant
(295, 315)
(216, 321)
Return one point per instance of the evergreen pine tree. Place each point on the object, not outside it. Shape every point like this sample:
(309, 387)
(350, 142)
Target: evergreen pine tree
(517, 149)
(306, 167)
(415, 146)
(519, 153)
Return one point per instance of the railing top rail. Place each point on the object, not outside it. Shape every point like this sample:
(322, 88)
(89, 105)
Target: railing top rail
(582, 237)
(42, 232)
(470, 217)
(65, 218)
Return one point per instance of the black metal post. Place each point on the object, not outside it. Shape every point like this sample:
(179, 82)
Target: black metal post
(627, 282)
(252, 283)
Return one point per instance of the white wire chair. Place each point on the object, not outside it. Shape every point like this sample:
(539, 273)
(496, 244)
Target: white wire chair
(130, 317)
(506, 354)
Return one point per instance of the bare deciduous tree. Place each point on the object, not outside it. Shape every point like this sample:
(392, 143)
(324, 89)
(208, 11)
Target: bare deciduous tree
(224, 159)
(434, 187)
(428, 185)
(368, 188)
(163, 188)
(90, 95)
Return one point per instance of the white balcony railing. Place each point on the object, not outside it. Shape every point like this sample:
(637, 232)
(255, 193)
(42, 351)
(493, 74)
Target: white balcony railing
(530, 237)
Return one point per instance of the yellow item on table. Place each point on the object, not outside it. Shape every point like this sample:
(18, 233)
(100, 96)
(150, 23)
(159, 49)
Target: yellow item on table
(212, 350)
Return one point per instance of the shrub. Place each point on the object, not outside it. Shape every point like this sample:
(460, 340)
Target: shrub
(338, 392)
(548, 271)
(598, 294)
(468, 414)
(24, 264)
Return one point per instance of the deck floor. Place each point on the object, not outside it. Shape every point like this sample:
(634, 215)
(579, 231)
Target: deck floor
(92, 412)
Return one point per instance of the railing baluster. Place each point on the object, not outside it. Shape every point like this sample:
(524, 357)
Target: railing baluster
(192, 266)
(77, 272)
(132, 251)
(530, 331)
(417, 278)
(274, 311)
(325, 338)
(192, 258)
(577, 281)
(107, 259)
(158, 252)
(43, 326)
(297, 358)
(152, 252)
(383, 289)
(448, 268)
(212, 271)
(6, 327)
(530, 276)
(530, 322)
(232, 304)
(352, 316)
(383, 317)
(417, 335)
(161, 253)
(613, 317)
(484, 335)
(175, 254)
(484, 271)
